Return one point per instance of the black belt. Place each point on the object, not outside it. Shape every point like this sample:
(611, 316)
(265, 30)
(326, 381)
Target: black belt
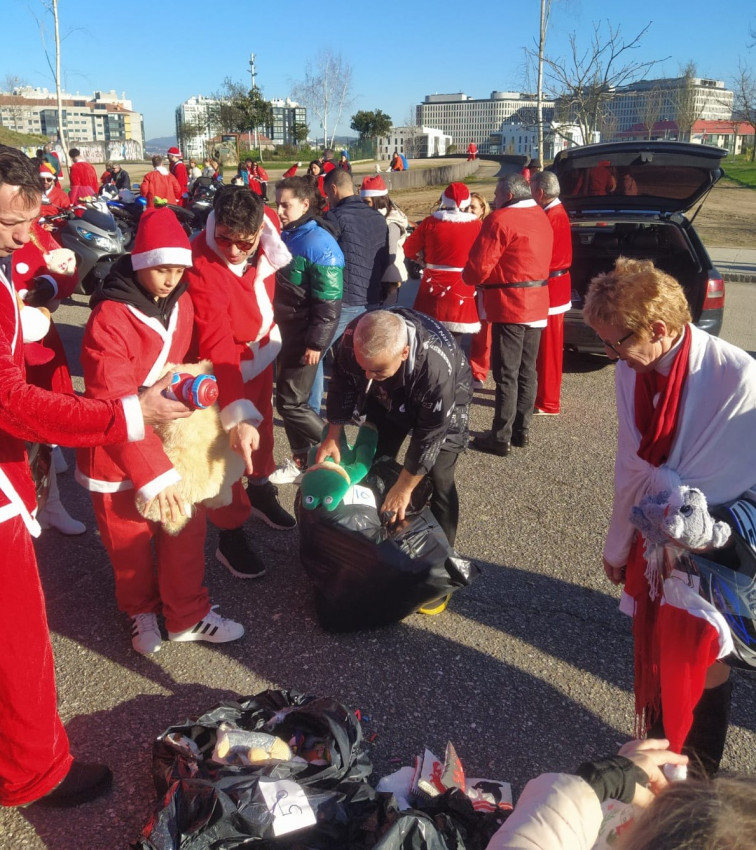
(520, 285)
(559, 273)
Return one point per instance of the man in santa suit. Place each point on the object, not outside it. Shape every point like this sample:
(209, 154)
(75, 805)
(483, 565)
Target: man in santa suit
(509, 263)
(178, 170)
(472, 151)
(231, 284)
(82, 177)
(35, 761)
(160, 183)
(54, 198)
(545, 188)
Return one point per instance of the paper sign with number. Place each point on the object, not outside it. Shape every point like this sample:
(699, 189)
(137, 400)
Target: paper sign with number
(288, 804)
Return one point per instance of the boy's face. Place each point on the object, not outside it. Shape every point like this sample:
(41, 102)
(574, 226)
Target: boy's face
(160, 281)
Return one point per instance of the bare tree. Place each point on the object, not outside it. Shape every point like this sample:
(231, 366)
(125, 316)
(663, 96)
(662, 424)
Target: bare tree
(52, 8)
(686, 105)
(326, 89)
(544, 22)
(15, 109)
(651, 109)
(413, 134)
(744, 105)
(584, 82)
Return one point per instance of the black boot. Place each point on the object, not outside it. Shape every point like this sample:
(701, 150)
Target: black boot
(706, 739)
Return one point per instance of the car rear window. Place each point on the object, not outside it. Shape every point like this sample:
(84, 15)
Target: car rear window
(641, 180)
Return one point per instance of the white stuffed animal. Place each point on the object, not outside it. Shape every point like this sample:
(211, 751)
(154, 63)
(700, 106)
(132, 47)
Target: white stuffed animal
(200, 452)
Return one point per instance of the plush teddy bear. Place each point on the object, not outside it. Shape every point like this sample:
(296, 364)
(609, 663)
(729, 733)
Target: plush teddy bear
(326, 483)
(679, 516)
(200, 452)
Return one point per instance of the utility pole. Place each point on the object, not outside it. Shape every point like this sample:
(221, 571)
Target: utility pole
(253, 75)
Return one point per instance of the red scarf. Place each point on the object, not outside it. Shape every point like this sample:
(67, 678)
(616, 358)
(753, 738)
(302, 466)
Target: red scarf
(657, 426)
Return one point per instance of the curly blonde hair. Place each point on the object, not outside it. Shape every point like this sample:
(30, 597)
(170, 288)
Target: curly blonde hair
(634, 295)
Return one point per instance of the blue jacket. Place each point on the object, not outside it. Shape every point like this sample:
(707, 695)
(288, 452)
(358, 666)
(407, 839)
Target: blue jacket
(363, 237)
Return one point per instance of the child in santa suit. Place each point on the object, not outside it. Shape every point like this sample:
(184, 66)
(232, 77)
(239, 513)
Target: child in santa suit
(142, 319)
(231, 284)
(43, 275)
(442, 243)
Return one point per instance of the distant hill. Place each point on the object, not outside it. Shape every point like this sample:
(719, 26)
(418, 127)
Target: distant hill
(159, 145)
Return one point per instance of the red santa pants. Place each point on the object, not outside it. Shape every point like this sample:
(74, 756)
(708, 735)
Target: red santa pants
(34, 755)
(549, 365)
(174, 586)
(480, 351)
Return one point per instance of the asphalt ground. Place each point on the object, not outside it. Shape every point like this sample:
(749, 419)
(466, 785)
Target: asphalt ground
(529, 670)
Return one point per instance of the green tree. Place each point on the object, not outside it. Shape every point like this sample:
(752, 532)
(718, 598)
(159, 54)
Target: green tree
(241, 109)
(301, 132)
(371, 124)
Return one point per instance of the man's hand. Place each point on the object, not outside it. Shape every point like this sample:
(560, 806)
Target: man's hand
(616, 575)
(330, 445)
(171, 505)
(398, 497)
(245, 439)
(156, 408)
(650, 756)
(311, 357)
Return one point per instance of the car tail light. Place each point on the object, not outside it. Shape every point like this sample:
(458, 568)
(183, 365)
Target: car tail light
(715, 293)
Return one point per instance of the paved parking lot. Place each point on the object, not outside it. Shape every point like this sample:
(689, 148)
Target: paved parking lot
(530, 668)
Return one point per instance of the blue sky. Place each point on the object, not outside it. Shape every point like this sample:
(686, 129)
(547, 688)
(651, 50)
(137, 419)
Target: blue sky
(398, 53)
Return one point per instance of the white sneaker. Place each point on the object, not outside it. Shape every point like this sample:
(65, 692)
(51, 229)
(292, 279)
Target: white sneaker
(538, 412)
(212, 628)
(287, 473)
(145, 633)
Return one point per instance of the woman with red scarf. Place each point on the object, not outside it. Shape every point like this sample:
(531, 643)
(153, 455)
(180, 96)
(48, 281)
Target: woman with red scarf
(686, 408)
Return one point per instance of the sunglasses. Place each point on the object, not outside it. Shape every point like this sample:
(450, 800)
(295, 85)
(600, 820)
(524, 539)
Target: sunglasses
(241, 244)
(614, 346)
(48, 180)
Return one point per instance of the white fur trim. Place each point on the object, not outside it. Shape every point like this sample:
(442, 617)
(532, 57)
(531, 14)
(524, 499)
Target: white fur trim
(454, 215)
(274, 247)
(154, 487)
(373, 193)
(165, 256)
(264, 355)
(563, 308)
(163, 170)
(462, 327)
(99, 485)
(241, 410)
(134, 419)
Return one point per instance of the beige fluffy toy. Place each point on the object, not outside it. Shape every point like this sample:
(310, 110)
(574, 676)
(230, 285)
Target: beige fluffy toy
(200, 452)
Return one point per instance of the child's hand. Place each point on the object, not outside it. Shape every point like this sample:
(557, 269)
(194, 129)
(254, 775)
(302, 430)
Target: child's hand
(171, 504)
(245, 439)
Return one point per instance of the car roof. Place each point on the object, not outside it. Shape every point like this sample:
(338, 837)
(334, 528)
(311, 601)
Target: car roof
(653, 176)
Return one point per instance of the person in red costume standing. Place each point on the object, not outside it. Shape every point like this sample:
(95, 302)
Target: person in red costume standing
(472, 151)
(509, 263)
(231, 284)
(178, 170)
(35, 760)
(82, 177)
(160, 183)
(545, 188)
(54, 198)
(442, 243)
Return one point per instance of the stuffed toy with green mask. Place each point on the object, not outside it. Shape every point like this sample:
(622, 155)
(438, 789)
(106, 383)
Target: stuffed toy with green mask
(326, 483)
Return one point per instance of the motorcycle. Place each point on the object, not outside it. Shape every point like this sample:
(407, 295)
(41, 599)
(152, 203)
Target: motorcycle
(201, 199)
(90, 231)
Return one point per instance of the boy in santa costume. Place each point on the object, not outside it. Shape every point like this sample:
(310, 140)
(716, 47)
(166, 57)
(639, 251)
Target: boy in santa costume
(442, 242)
(142, 319)
(231, 284)
(545, 188)
(35, 760)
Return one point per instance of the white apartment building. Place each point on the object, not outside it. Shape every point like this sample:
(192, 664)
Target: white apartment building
(465, 118)
(197, 110)
(101, 117)
(516, 137)
(660, 100)
(413, 142)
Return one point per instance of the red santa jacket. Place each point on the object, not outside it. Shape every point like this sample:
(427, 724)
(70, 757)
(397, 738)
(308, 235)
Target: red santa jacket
(509, 262)
(28, 413)
(234, 325)
(54, 200)
(178, 170)
(160, 183)
(83, 175)
(560, 283)
(124, 349)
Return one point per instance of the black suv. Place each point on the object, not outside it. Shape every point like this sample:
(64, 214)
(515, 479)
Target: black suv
(628, 199)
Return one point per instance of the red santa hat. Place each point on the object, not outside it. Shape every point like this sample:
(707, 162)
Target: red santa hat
(174, 151)
(456, 197)
(373, 187)
(46, 170)
(160, 241)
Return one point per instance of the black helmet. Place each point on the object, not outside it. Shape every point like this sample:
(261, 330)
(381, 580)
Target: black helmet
(728, 577)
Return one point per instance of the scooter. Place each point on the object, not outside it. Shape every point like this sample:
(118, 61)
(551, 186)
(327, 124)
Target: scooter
(201, 200)
(90, 231)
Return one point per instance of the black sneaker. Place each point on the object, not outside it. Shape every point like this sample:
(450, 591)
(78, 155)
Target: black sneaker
(237, 556)
(83, 782)
(265, 506)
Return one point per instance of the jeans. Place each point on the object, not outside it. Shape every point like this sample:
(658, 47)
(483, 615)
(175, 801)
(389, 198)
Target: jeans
(348, 312)
(304, 428)
(514, 349)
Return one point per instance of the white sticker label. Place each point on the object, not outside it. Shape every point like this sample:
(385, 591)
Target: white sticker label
(288, 804)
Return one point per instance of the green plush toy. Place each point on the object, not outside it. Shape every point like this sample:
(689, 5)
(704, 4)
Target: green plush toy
(326, 483)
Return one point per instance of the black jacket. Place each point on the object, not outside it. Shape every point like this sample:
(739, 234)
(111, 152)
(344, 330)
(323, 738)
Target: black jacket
(429, 395)
(363, 237)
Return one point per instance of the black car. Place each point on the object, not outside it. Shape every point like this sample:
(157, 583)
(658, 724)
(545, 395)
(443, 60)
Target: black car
(628, 199)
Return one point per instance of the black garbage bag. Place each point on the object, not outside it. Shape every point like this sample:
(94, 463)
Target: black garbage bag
(367, 575)
(206, 804)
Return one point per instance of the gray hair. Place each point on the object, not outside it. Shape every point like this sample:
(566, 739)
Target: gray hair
(380, 334)
(516, 186)
(547, 182)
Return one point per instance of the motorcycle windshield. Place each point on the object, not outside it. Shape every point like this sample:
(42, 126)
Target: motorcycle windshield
(102, 220)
